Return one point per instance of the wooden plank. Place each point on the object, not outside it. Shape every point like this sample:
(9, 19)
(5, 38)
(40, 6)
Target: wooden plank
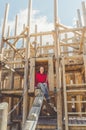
(46, 127)
(76, 91)
(76, 85)
(33, 115)
(51, 73)
(3, 115)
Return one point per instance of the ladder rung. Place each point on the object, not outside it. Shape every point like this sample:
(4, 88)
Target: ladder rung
(76, 124)
(75, 113)
(75, 85)
(70, 91)
(76, 101)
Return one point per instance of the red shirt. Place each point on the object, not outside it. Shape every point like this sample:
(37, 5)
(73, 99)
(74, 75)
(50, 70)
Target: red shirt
(41, 78)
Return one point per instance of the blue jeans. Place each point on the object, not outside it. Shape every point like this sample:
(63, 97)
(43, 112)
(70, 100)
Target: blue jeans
(44, 89)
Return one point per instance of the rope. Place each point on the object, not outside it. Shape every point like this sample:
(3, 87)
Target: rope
(15, 106)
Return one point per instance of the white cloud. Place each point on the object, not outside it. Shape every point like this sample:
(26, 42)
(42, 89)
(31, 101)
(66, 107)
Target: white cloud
(41, 21)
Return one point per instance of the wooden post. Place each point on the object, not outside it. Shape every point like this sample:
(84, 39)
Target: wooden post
(84, 12)
(41, 45)
(0, 70)
(51, 74)
(65, 48)
(3, 116)
(8, 33)
(68, 97)
(32, 75)
(35, 41)
(0, 76)
(78, 79)
(27, 56)
(84, 58)
(11, 99)
(4, 25)
(65, 96)
(77, 23)
(79, 17)
(57, 54)
(23, 41)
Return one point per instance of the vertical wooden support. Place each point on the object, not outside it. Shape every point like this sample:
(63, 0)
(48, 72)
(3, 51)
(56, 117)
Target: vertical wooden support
(23, 41)
(4, 25)
(12, 76)
(3, 116)
(84, 58)
(51, 74)
(68, 97)
(65, 96)
(77, 23)
(78, 80)
(65, 48)
(57, 54)
(84, 12)
(32, 74)
(35, 41)
(79, 17)
(0, 70)
(8, 33)
(27, 56)
(0, 77)
(41, 45)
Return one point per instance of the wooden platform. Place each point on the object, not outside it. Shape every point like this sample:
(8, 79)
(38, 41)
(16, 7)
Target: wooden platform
(48, 123)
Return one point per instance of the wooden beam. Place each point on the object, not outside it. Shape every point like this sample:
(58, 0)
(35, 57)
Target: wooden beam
(14, 48)
(73, 30)
(81, 42)
(41, 34)
(65, 27)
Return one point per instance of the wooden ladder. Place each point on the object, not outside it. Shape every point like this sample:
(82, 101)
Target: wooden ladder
(73, 119)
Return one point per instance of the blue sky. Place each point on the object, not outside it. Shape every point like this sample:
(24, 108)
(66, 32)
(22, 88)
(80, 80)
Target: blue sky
(67, 9)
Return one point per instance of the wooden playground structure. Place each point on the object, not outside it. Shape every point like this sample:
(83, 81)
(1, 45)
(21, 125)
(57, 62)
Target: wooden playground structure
(65, 62)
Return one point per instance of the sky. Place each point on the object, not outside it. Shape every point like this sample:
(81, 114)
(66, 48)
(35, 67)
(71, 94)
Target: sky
(67, 8)
(43, 12)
